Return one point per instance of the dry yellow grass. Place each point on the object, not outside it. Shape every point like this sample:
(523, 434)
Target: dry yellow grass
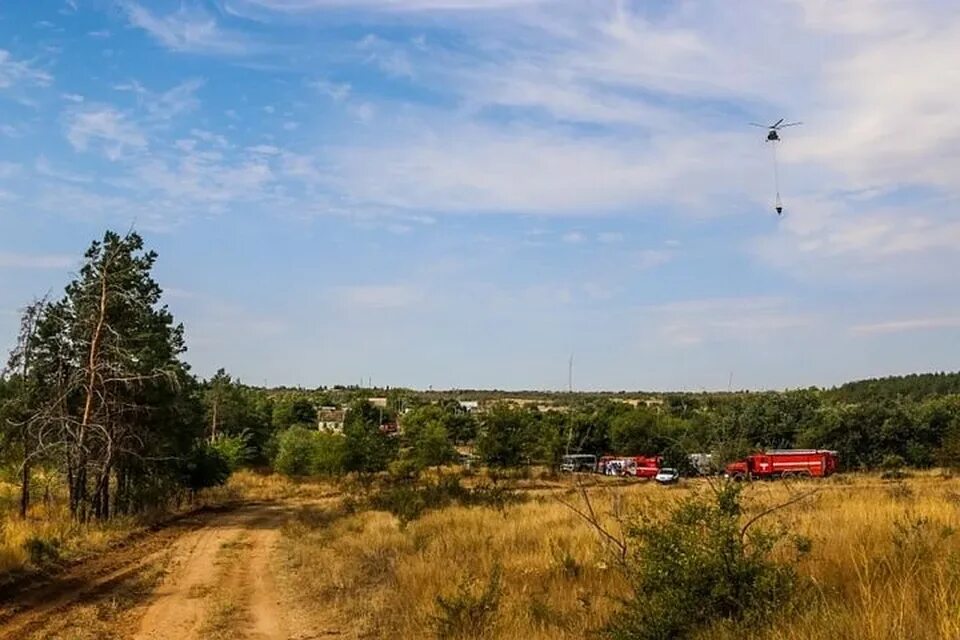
(885, 562)
(49, 519)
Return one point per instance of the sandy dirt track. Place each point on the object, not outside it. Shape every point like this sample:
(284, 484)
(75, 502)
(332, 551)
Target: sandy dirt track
(209, 575)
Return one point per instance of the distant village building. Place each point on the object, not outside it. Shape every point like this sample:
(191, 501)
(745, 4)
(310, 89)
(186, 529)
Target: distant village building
(330, 419)
(470, 406)
(636, 402)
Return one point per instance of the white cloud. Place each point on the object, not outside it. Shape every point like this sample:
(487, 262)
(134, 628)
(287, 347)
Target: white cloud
(251, 7)
(81, 202)
(840, 238)
(198, 178)
(692, 322)
(391, 59)
(189, 29)
(106, 128)
(15, 72)
(173, 102)
(265, 149)
(899, 326)
(11, 260)
(9, 170)
(391, 296)
(339, 91)
(165, 105)
(43, 167)
(215, 139)
(468, 168)
(609, 237)
(651, 258)
(887, 114)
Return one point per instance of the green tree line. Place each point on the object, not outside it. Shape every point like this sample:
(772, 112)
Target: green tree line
(96, 388)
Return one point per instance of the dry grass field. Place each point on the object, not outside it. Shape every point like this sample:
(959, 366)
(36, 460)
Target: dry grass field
(884, 562)
(49, 534)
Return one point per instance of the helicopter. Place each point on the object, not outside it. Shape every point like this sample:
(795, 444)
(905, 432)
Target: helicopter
(773, 129)
(773, 135)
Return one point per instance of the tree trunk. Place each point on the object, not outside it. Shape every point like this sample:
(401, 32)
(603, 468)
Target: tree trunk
(213, 426)
(25, 476)
(93, 363)
(101, 495)
(78, 494)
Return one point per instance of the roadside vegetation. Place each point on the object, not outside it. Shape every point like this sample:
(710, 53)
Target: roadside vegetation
(859, 557)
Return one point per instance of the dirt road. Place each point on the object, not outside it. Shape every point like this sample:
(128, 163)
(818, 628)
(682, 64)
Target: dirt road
(211, 575)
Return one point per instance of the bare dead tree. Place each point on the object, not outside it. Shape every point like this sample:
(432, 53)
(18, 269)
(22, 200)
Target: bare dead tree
(617, 541)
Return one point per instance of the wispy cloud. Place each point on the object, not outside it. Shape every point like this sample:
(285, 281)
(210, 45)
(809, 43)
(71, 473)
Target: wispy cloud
(388, 296)
(693, 322)
(12, 260)
(44, 167)
(104, 128)
(257, 7)
(389, 58)
(15, 72)
(840, 238)
(165, 105)
(900, 326)
(190, 29)
(9, 170)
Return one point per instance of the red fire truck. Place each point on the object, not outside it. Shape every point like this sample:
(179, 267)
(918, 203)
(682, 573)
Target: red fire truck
(635, 466)
(779, 463)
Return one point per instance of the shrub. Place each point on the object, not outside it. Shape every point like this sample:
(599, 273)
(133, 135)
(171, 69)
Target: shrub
(42, 551)
(697, 568)
(466, 614)
(329, 452)
(294, 452)
(410, 500)
(206, 466)
(302, 452)
(892, 466)
(236, 450)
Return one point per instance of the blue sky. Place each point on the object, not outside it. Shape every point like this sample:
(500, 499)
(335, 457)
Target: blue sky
(462, 193)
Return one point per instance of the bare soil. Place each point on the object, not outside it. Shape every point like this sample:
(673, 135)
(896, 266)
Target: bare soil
(208, 575)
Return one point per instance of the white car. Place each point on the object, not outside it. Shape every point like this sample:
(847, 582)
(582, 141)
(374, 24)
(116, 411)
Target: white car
(667, 476)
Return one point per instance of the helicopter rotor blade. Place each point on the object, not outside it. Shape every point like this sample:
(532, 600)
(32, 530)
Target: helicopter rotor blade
(777, 123)
(789, 124)
(762, 126)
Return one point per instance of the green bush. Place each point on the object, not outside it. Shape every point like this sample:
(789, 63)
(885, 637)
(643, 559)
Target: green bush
(236, 450)
(467, 614)
(42, 551)
(696, 568)
(205, 466)
(410, 500)
(892, 465)
(302, 452)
